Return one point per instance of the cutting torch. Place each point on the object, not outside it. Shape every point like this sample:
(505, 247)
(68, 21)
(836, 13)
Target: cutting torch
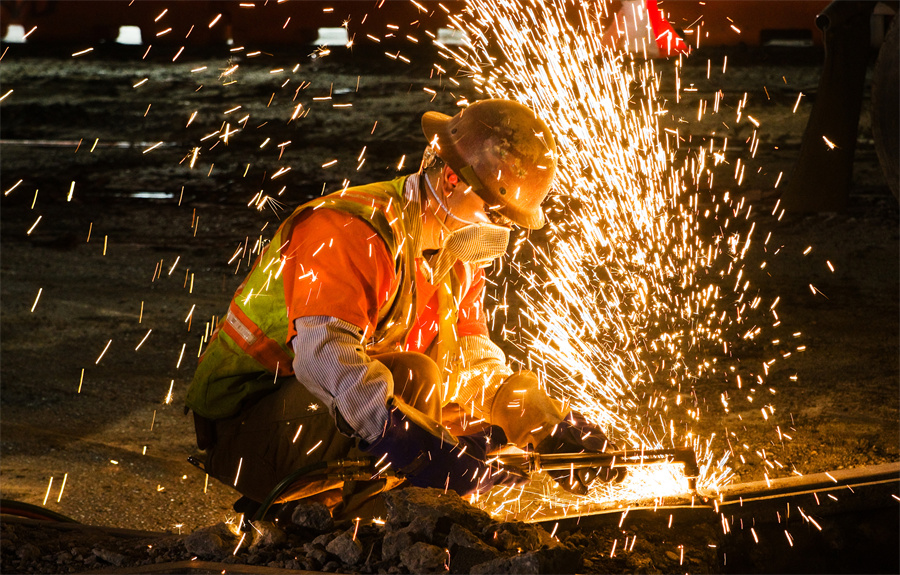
(532, 461)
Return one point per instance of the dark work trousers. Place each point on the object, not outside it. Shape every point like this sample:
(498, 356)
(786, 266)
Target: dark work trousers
(290, 428)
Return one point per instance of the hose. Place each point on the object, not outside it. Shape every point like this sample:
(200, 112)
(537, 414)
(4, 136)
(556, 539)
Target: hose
(27, 510)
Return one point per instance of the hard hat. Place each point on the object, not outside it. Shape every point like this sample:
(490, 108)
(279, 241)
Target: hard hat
(503, 151)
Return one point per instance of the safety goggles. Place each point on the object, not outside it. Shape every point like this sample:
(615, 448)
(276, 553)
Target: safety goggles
(497, 218)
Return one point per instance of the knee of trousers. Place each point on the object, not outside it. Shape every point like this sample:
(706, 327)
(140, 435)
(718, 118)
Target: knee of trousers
(417, 380)
(282, 432)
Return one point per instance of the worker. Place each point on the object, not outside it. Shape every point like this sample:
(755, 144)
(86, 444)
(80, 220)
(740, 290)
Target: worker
(640, 26)
(361, 332)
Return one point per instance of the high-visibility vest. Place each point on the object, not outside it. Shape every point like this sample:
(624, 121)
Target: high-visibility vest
(251, 340)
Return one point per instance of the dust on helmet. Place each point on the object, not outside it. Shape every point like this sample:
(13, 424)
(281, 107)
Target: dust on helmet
(503, 151)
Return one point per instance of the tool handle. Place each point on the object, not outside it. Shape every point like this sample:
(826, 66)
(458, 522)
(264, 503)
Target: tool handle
(534, 461)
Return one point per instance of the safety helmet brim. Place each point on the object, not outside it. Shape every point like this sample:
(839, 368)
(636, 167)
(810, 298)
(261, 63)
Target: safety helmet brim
(503, 151)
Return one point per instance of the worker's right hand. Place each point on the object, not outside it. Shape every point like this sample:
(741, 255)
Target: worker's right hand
(427, 455)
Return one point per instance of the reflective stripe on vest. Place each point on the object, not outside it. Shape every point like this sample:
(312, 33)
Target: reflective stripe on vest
(257, 344)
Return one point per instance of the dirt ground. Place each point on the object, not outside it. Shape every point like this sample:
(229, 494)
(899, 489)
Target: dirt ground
(130, 241)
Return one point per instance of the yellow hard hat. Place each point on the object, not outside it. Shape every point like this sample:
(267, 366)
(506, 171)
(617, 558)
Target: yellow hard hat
(503, 151)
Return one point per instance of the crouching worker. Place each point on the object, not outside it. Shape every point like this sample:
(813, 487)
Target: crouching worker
(360, 331)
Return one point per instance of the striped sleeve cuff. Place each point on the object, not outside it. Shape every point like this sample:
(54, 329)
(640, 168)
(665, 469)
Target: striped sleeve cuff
(329, 359)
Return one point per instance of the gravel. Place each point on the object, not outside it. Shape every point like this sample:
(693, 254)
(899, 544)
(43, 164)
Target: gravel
(437, 544)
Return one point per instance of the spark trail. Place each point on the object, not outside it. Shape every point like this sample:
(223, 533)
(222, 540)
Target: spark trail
(628, 295)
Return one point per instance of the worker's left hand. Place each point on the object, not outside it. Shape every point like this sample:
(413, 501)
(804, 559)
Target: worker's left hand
(426, 455)
(575, 434)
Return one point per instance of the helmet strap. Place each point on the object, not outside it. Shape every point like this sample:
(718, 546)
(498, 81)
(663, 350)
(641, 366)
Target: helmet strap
(429, 159)
(442, 221)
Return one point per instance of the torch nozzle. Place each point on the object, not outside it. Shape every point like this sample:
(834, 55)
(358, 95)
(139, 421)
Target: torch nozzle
(688, 457)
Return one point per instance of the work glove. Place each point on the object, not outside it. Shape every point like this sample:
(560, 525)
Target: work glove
(575, 434)
(524, 410)
(427, 455)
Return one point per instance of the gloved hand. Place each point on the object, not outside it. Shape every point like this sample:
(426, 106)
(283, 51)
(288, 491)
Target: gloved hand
(524, 410)
(428, 456)
(575, 434)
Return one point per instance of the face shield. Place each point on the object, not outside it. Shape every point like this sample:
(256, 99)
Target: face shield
(478, 241)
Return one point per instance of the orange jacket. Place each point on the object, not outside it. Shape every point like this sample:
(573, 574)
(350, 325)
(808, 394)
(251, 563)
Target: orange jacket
(349, 255)
(338, 267)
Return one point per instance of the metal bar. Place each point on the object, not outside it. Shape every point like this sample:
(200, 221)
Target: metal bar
(866, 487)
(532, 461)
(814, 483)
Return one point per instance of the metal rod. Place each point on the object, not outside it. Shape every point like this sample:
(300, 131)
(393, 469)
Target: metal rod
(534, 461)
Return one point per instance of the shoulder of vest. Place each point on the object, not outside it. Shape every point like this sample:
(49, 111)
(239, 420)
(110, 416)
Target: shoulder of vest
(379, 204)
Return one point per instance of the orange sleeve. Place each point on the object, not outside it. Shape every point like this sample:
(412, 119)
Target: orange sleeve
(471, 319)
(336, 265)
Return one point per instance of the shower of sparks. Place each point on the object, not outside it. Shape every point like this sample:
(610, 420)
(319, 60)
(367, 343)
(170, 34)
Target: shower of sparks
(797, 103)
(238, 473)
(632, 301)
(34, 225)
(13, 187)
(181, 355)
(241, 542)
(102, 353)
(143, 340)
(629, 304)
